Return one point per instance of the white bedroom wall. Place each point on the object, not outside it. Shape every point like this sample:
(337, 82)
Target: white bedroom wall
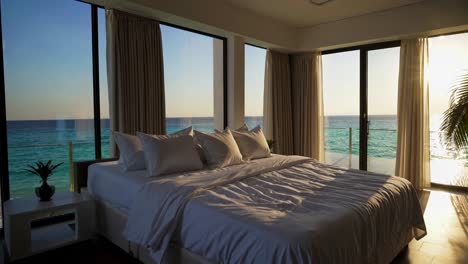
(235, 72)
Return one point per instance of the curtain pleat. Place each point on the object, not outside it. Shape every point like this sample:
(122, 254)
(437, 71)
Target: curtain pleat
(135, 74)
(413, 143)
(307, 103)
(277, 109)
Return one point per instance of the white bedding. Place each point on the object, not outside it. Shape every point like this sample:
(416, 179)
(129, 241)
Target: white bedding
(108, 182)
(283, 209)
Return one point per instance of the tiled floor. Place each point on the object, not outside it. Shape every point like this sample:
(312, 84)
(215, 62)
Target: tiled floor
(446, 217)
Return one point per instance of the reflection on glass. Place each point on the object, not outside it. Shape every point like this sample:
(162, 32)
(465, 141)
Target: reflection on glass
(341, 108)
(103, 89)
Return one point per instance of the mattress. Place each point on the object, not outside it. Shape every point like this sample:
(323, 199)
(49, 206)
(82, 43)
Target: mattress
(110, 183)
(283, 209)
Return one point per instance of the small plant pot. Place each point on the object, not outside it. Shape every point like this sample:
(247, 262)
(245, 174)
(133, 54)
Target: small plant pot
(45, 192)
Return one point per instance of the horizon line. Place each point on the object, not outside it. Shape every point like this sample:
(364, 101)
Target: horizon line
(172, 117)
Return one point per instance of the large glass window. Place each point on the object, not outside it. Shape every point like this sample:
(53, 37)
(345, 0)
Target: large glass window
(382, 95)
(341, 108)
(448, 59)
(49, 98)
(193, 77)
(254, 83)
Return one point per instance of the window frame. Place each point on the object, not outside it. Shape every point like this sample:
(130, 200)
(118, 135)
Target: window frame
(363, 91)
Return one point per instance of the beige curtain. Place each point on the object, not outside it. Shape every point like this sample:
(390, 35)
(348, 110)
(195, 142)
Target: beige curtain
(277, 115)
(413, 153)
(306, 85)
(135, 74)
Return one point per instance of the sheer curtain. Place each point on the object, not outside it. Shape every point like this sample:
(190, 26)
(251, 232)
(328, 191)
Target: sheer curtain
(135, 74)
(413, 149)
(306, 84)
(277, 111)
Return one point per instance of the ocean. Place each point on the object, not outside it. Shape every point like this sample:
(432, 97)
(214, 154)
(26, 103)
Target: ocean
(30, 141)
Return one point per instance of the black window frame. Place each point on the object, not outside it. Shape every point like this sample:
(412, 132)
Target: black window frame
(4, 171)
(363, 120)
(363, 91)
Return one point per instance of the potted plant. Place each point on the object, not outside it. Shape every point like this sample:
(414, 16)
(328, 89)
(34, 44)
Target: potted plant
(270, 143)
(454, 125)
(44, 170)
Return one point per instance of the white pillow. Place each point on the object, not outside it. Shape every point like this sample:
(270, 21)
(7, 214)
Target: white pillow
(252, 144)
(243, 128)
(132, 156)
(169, 154)
(220, 149)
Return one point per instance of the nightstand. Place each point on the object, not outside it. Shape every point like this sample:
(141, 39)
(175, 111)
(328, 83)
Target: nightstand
(32, 226)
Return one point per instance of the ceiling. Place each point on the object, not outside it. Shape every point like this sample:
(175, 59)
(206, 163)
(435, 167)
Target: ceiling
(302, 13)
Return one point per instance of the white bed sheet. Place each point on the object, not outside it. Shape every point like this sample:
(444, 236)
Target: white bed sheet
(283, 209)
(108, 182)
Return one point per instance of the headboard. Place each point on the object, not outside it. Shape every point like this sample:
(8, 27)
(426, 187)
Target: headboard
(80, 171)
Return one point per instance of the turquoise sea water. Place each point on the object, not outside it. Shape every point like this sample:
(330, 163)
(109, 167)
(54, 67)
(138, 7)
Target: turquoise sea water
(30, 141)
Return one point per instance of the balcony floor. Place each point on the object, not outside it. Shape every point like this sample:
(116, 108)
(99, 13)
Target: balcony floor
(443, 171)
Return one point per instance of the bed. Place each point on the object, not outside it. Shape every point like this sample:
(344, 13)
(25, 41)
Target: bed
(282, 209)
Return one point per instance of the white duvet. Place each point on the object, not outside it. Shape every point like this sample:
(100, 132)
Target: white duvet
(283, 209)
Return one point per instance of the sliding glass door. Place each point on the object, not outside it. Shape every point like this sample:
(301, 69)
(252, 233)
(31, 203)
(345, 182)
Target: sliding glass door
(360, 87)
(448, 60)
(382, 94)
(341, 108)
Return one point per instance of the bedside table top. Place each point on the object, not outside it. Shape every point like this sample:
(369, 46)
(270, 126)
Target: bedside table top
(32, 204)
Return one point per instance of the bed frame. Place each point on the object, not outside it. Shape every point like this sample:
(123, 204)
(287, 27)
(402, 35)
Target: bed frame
(111, 221)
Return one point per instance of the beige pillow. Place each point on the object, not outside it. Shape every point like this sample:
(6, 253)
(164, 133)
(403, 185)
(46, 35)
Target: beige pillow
(252, 144)
(166, 154)
(243, 128)
(220, 149)
(131, 152)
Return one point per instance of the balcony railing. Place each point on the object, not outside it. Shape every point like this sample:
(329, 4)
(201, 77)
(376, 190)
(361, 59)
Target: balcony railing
(57, 152)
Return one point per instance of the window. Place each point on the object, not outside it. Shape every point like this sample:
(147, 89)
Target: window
(360, 117)
(48, 85)
(382, 93)
(193, 77)
(254, 84)
(341, 108)
(448, 58)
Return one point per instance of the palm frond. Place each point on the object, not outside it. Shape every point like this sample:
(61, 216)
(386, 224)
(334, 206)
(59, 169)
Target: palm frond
(43, 170)
(454, 124)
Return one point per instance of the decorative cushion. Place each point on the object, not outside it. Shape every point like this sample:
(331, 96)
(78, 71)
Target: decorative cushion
(243, 128)
(220, 149)
(132, 156)
(252, 144)
(169, 154)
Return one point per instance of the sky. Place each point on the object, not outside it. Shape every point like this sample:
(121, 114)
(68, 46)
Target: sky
(48, 68)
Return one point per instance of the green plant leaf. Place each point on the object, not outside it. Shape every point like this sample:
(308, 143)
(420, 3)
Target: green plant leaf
(454, 124)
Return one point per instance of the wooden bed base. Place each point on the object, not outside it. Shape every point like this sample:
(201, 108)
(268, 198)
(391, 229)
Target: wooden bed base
(110, 223)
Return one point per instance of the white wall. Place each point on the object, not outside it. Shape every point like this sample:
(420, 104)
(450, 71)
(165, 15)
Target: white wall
(421, 19)
(236, 79)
